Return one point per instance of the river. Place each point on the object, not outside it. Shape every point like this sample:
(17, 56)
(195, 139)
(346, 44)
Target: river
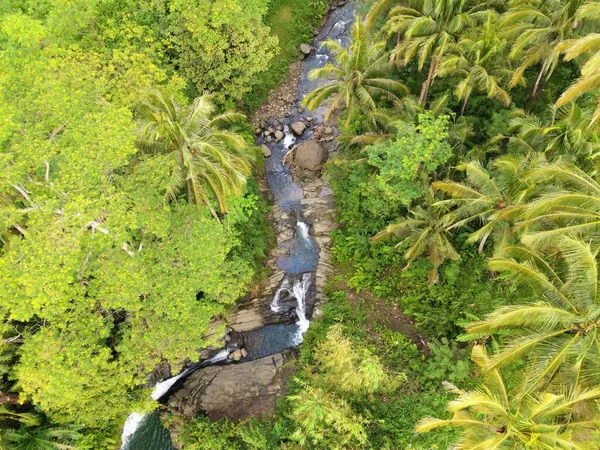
(145, 432)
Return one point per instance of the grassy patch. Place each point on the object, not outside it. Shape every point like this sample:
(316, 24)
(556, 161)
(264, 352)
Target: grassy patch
(292, 21)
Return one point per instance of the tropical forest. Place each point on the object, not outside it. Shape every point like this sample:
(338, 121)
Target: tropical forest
(299, 224)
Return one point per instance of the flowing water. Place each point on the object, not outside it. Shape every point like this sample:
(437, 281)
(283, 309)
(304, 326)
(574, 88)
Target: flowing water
(145, 431)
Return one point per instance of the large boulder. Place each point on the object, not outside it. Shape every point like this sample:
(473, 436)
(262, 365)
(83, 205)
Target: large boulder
(298, 128)
(310, 155)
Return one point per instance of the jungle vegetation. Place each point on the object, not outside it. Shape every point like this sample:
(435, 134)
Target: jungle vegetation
(467, 193)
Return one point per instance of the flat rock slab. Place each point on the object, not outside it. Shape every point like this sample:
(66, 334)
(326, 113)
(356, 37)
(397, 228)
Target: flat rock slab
(236, 391)
(246, 319)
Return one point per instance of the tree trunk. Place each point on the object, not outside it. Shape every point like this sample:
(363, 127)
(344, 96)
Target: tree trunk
(464, 105)
(427, 82)
(11, 398)
(190, 193)
(537, 83)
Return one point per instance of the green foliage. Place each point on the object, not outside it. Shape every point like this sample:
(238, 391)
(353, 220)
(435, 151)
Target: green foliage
(221, 45)
(406, 164)
(101, 276)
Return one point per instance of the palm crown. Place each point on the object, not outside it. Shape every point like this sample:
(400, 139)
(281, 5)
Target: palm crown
(211, 161)
(477, 63)
(493, 419)
(356, 75)
(537, 27)
(489, 200)
(426, 232)
(427, 30)
(559, 327)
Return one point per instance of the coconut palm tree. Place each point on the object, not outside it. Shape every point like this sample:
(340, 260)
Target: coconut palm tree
(586, 49)
(210, 161)
(589, 81)
(562, 134)
(357, 76)
(557, 329)
(478, 62)
(40, 438)
(493, 419)
(425, 230)
(537, 28)
(489, 199)
(426, 30)
(383, 124)
(570, 205)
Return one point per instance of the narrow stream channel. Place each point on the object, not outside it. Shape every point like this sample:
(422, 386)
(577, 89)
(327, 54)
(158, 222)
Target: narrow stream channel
(145, 432)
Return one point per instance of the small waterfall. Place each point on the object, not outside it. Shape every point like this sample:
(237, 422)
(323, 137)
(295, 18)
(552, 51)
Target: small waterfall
(303, 228)
(131, 425)
(300, 289)
(289, 138)
(163, 387)
(221, 356)
(285, 285)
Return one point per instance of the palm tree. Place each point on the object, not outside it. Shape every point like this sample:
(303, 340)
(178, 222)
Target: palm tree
(589, 80)
(426, 30)
(40, 438)
(537, 28)
(425, 230)
(570, 206)
(492, 199)
(587, 49)
(558, 328)
(492, 419)
(210, 161)
(562, 134)
(357, 75)
(477, 61)
(383, 123)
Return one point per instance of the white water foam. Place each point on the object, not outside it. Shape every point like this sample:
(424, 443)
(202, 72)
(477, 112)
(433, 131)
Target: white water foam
(221, 356)
(163, 387)
(285, 285)
(300, 289)
(303, 230)
(322, 58)
(131, 425)
(289, 138)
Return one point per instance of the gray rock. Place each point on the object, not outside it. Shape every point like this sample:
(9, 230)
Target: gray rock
(267, 133)
(310, 119)
(305, 48)
(298, 128)
(279, 135)
(328, 130)
(266, 150)
(268, 139)
(310, 155)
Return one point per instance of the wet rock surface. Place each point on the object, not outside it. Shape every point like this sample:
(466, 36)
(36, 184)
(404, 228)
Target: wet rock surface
(237, 391)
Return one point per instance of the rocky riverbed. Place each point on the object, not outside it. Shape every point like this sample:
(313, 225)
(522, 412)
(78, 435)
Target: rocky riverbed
(263, 333)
